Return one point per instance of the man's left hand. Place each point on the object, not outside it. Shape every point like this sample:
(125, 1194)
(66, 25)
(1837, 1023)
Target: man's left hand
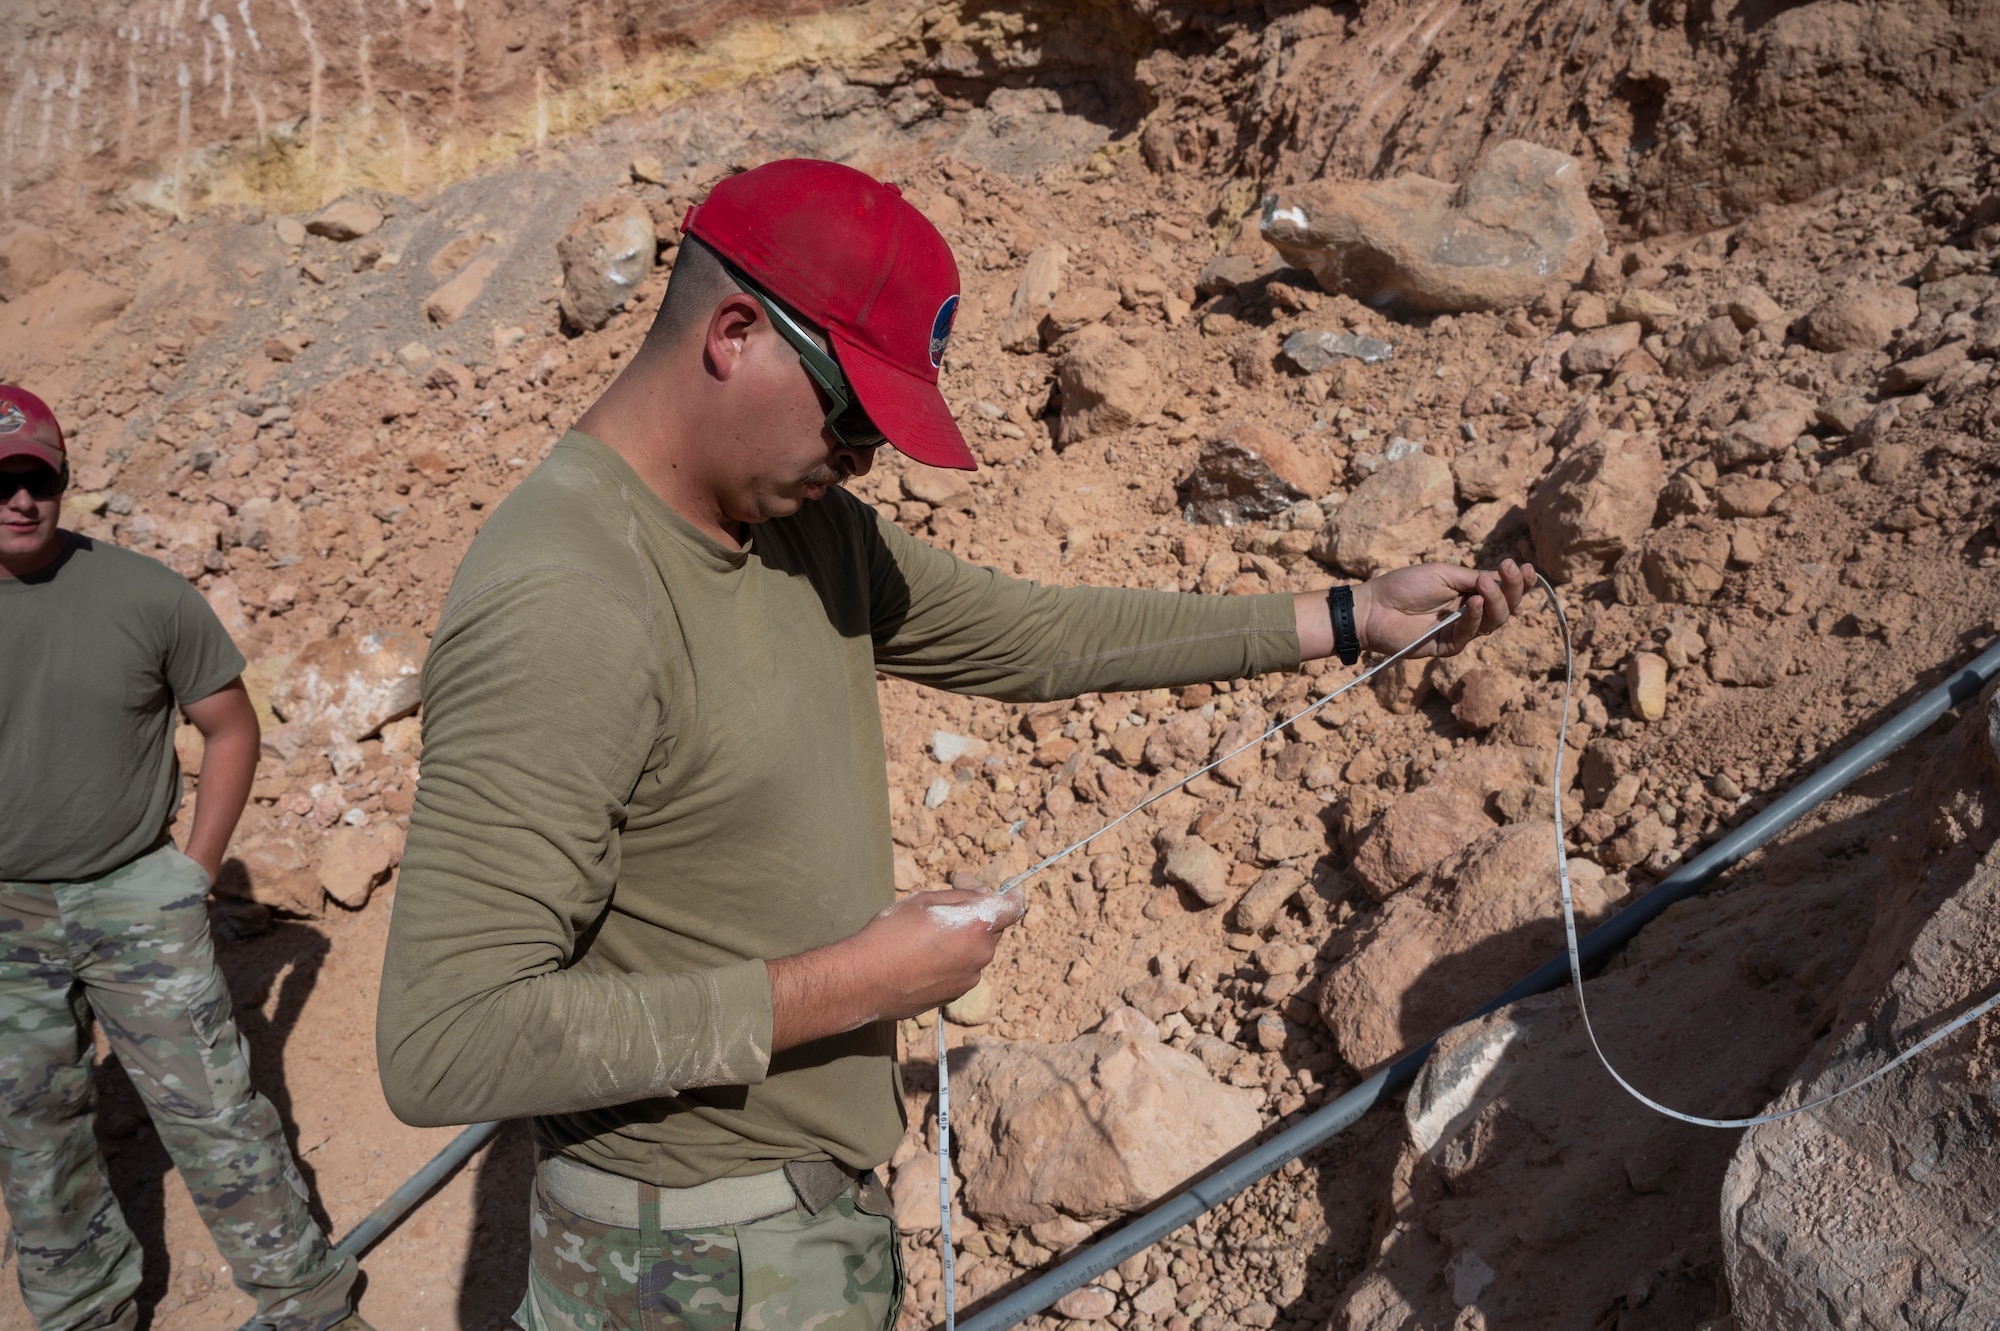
(1395, 608)
(1392, 610)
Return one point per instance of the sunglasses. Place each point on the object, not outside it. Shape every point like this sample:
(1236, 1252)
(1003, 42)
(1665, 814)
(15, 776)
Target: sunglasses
(39, 482)
(846, 420)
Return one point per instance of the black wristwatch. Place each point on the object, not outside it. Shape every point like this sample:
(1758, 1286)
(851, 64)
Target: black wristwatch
(1346, 637)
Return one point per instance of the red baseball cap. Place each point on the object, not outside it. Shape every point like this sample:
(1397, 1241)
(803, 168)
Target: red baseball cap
(29, 429)
(854, 257)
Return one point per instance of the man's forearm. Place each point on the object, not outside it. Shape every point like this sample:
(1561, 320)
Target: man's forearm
(228, 766)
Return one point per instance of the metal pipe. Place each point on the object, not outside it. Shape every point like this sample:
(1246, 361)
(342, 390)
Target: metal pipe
(1184, 1207)
(405, 1199)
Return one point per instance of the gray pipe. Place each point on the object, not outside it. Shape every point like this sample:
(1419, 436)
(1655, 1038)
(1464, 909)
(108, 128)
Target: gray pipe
(403, 1200)
(1224, 1183)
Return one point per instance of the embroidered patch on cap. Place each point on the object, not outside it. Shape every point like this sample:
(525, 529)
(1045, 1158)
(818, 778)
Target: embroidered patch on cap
(13, 418)
(941, 330)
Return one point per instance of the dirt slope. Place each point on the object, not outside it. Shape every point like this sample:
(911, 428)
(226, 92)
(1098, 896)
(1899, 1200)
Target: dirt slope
(281, 419)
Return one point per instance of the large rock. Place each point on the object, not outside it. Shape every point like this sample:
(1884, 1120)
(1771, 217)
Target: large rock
(1467, 928)
(1862, 322)
(357, 860)
(1595, 505)
(605, 254)
(346, 219)
(1521, 1157)
(1250, 474)
(353, 686)
(1098, 1127)
(1877, 1211)
(1685, 565)
(29, 256)
(1034, 296)
(1106, 383)
(1518, 222)
(1392, 518)
(1422, 828)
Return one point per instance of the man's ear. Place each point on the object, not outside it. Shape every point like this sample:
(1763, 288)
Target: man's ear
(729, 327)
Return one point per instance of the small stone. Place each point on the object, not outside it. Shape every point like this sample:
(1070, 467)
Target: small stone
(1483, 696)
(284, 347)
(1157, 1299)
(1092, 1303)
(1034, 295)
(291, 231)
(1750, 307)
(1107, 384)
(1595, 505)
(1196, 866)
(1251, 474)
(1311, 350)
(1844, 415)
(414, 357)
(1739, 496)
(1257, 1313)
(1646, 685)
(1649, 309)
(1712, 346)
(1588, 313)
(1393, 517)
(1270, 1032)
(1599, 351)
(606, 252)
(346, 219)
(444, 305)
(1266, 897)
(1072, 310)
(353, 863)
(1863, 322)
(646, 169)
(974, 1007)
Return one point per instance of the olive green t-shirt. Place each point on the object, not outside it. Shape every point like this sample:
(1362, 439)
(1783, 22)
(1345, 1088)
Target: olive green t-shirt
(651, 762)
(96, 650)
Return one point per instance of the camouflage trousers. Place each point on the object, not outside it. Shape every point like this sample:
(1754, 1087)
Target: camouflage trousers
(132, 949)
(835, 1270)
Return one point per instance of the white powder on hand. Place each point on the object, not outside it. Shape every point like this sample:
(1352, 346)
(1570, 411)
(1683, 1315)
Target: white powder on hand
(995, 912)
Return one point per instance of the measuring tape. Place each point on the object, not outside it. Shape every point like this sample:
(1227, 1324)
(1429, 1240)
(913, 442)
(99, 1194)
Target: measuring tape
(1576, 965)
(1018, 882)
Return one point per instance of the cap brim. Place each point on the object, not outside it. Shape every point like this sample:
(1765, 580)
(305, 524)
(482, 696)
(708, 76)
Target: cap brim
(910, 410)
(33, 448)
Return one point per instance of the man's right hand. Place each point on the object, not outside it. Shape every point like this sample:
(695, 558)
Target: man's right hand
(922, 952)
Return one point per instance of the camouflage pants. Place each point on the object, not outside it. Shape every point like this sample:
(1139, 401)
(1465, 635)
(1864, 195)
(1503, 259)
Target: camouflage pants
(132, 949)
(837, 1270)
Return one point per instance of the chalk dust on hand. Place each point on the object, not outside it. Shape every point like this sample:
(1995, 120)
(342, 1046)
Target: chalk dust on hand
(995, 912)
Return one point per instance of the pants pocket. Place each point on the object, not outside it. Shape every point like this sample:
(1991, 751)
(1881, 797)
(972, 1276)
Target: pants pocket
(839, 1270)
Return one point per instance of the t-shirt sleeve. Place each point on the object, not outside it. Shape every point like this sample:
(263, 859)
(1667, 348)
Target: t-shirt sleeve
(543, 703)
(942, 621)
(200, 656)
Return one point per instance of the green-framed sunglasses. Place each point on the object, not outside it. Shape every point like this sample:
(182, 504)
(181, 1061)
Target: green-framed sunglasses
(846, 420)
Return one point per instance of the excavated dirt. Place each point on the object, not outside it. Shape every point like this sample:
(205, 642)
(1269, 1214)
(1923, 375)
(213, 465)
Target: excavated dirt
(276, 414)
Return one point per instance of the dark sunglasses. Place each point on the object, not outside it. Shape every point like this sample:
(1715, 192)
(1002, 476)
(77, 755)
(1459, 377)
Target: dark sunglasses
(846, 420)
(39, 482)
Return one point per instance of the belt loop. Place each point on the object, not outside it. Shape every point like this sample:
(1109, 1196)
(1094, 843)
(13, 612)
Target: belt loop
(649, 1217)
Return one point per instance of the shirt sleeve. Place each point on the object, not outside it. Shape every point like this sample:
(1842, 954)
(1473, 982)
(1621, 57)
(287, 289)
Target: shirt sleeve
(542, 704)
(957, 626)
(201, 657)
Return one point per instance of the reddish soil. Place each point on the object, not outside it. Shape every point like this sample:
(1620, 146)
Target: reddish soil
(205, 362)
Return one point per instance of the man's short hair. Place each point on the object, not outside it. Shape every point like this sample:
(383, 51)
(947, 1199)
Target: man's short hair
(698, 282)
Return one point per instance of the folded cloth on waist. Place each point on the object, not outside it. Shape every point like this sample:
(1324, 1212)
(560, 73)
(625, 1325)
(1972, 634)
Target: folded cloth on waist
(612, 1199)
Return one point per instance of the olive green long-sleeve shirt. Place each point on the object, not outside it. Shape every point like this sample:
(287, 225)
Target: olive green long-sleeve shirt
(652, 762)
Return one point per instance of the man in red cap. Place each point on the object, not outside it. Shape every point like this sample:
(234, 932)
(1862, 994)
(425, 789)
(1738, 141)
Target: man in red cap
(102, 918)
(648, 893)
